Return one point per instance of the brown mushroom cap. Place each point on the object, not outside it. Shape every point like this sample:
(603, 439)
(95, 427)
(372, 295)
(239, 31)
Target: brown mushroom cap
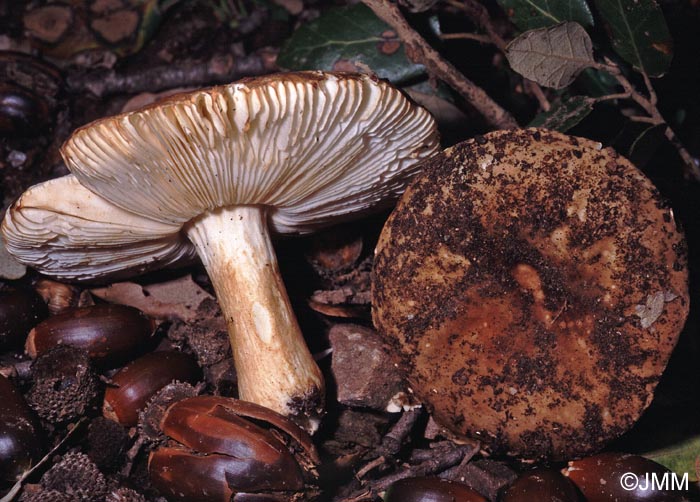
(536, 285)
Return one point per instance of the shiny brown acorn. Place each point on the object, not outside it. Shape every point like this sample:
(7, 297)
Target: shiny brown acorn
(543, 485)
(111, 334)
(134, 384)
(20, 434)
(223, 449)
(431, 489)
(22, 113)
(20, 310)
(625, 478)
(29, 89)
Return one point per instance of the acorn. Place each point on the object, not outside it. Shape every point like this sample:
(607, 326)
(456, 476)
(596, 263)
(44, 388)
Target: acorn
(137, 382)
(22, 113)
(223, 449)
(20, 310)
(20, 434)
(111, 334)
(29, 89)
(431, 489)
(543, 485)
(58, 296)
(625, 478)
(65, 385)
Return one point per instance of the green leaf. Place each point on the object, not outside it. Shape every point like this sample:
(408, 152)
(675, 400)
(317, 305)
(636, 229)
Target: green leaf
(597, 83)
(639, 34)
(681, 458)
(645, 145)
(349, 39)
(532, 14)
(552, 57)
(565, 114)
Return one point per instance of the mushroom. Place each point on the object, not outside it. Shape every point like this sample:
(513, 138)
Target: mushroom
(535, 285)
(209, 173)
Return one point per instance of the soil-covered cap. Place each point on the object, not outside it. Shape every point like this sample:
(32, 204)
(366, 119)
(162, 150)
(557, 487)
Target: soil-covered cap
(536, 285)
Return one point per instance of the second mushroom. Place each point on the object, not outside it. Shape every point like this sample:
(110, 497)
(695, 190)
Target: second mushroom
(210, 173)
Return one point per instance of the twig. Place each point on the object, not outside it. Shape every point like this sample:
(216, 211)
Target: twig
(393, 440)
(418, 50)
(537, 91)
(610, 97)
(484, 39)
(219, 69)
(648, 104)
(643, 119)
(439, 462)
(370, 466)
(480, 16)
(20, 370)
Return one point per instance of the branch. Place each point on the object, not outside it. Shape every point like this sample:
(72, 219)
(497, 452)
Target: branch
(648, 104)
(418, 50)
(482, 39)
(220, 69)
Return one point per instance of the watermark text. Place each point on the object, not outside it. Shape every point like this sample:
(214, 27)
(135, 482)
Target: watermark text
(653, 481)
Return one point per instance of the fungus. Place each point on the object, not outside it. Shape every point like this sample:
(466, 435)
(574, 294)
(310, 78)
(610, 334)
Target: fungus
(209, 173)
(510, 277)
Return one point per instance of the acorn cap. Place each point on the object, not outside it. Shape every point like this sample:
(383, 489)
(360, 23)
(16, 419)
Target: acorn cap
(64, 384)
(294, 152)
(76, 475)
(536, 285)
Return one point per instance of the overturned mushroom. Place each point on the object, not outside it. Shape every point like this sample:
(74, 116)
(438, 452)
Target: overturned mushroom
(205, 174)
(518, 277)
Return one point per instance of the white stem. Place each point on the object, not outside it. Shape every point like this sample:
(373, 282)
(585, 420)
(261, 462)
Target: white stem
(273, 364)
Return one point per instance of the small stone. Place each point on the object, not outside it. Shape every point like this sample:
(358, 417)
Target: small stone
(16, 158)
(365, 371)
(222, 378)
(485, 476)
(360, 428)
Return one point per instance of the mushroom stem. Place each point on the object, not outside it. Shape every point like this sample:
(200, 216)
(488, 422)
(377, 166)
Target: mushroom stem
(274, 366)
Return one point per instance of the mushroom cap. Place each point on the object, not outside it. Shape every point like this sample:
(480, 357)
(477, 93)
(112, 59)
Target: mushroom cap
(536, 285)
(61, 228)
(310, 146)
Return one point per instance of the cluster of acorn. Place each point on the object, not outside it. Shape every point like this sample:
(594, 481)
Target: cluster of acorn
(202, 447)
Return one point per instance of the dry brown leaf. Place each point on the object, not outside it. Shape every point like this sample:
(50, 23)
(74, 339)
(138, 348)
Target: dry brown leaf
(176, 299)
(552, 57)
